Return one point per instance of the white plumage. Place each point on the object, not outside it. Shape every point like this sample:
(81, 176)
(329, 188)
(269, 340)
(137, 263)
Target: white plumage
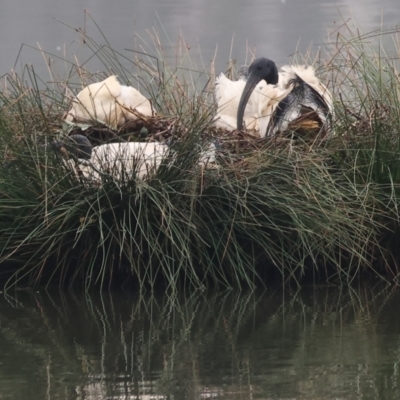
(228, 95)
(109, 102)
(301, 100)
(270, 102)
(121, 161)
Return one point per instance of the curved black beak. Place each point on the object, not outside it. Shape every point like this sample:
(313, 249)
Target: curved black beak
(261, 68)
(251, 83)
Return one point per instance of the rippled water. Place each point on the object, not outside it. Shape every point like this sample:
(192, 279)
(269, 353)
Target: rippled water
(275, 29)
(316, 344)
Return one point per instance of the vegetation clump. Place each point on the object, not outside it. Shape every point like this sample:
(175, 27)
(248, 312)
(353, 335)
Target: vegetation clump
(288, 207)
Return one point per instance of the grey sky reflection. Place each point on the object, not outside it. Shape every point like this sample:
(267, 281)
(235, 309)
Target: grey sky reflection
(274, 28)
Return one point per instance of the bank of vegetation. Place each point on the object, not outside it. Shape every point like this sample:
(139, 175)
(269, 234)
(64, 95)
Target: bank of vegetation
(287, 209)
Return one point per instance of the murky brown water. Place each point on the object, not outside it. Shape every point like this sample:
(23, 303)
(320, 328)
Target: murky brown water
(275, 29)
(317, 344)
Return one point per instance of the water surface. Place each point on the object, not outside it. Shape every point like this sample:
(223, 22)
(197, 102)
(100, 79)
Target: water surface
(322, 343)
(276, 29)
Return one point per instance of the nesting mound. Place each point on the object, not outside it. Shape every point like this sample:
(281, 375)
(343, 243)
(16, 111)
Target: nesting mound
(163, 129)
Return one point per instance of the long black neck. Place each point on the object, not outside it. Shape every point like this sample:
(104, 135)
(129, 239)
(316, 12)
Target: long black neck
(261, 68)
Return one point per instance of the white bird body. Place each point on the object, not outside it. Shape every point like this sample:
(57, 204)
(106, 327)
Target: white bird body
(228, 95)
(307, 74)
(259, 109)
(133, 102)
(125, 159)
(122, 161)
(109, 102)
(268, 99)
(273, 107)
(271, 95)
(318, 100)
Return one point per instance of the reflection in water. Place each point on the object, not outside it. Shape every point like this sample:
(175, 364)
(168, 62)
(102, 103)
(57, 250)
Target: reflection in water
(311, 345)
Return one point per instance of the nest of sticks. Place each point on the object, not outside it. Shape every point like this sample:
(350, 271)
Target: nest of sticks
(163, 129)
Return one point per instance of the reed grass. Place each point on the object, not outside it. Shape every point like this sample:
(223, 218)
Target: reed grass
(274, 210)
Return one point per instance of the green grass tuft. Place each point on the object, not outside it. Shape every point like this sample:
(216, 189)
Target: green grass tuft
(280, 208)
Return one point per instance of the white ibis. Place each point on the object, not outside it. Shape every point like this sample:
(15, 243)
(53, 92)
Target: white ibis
(228, 95)
(291, 99)
(109, 102)
(125, 160)
(122, 160)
